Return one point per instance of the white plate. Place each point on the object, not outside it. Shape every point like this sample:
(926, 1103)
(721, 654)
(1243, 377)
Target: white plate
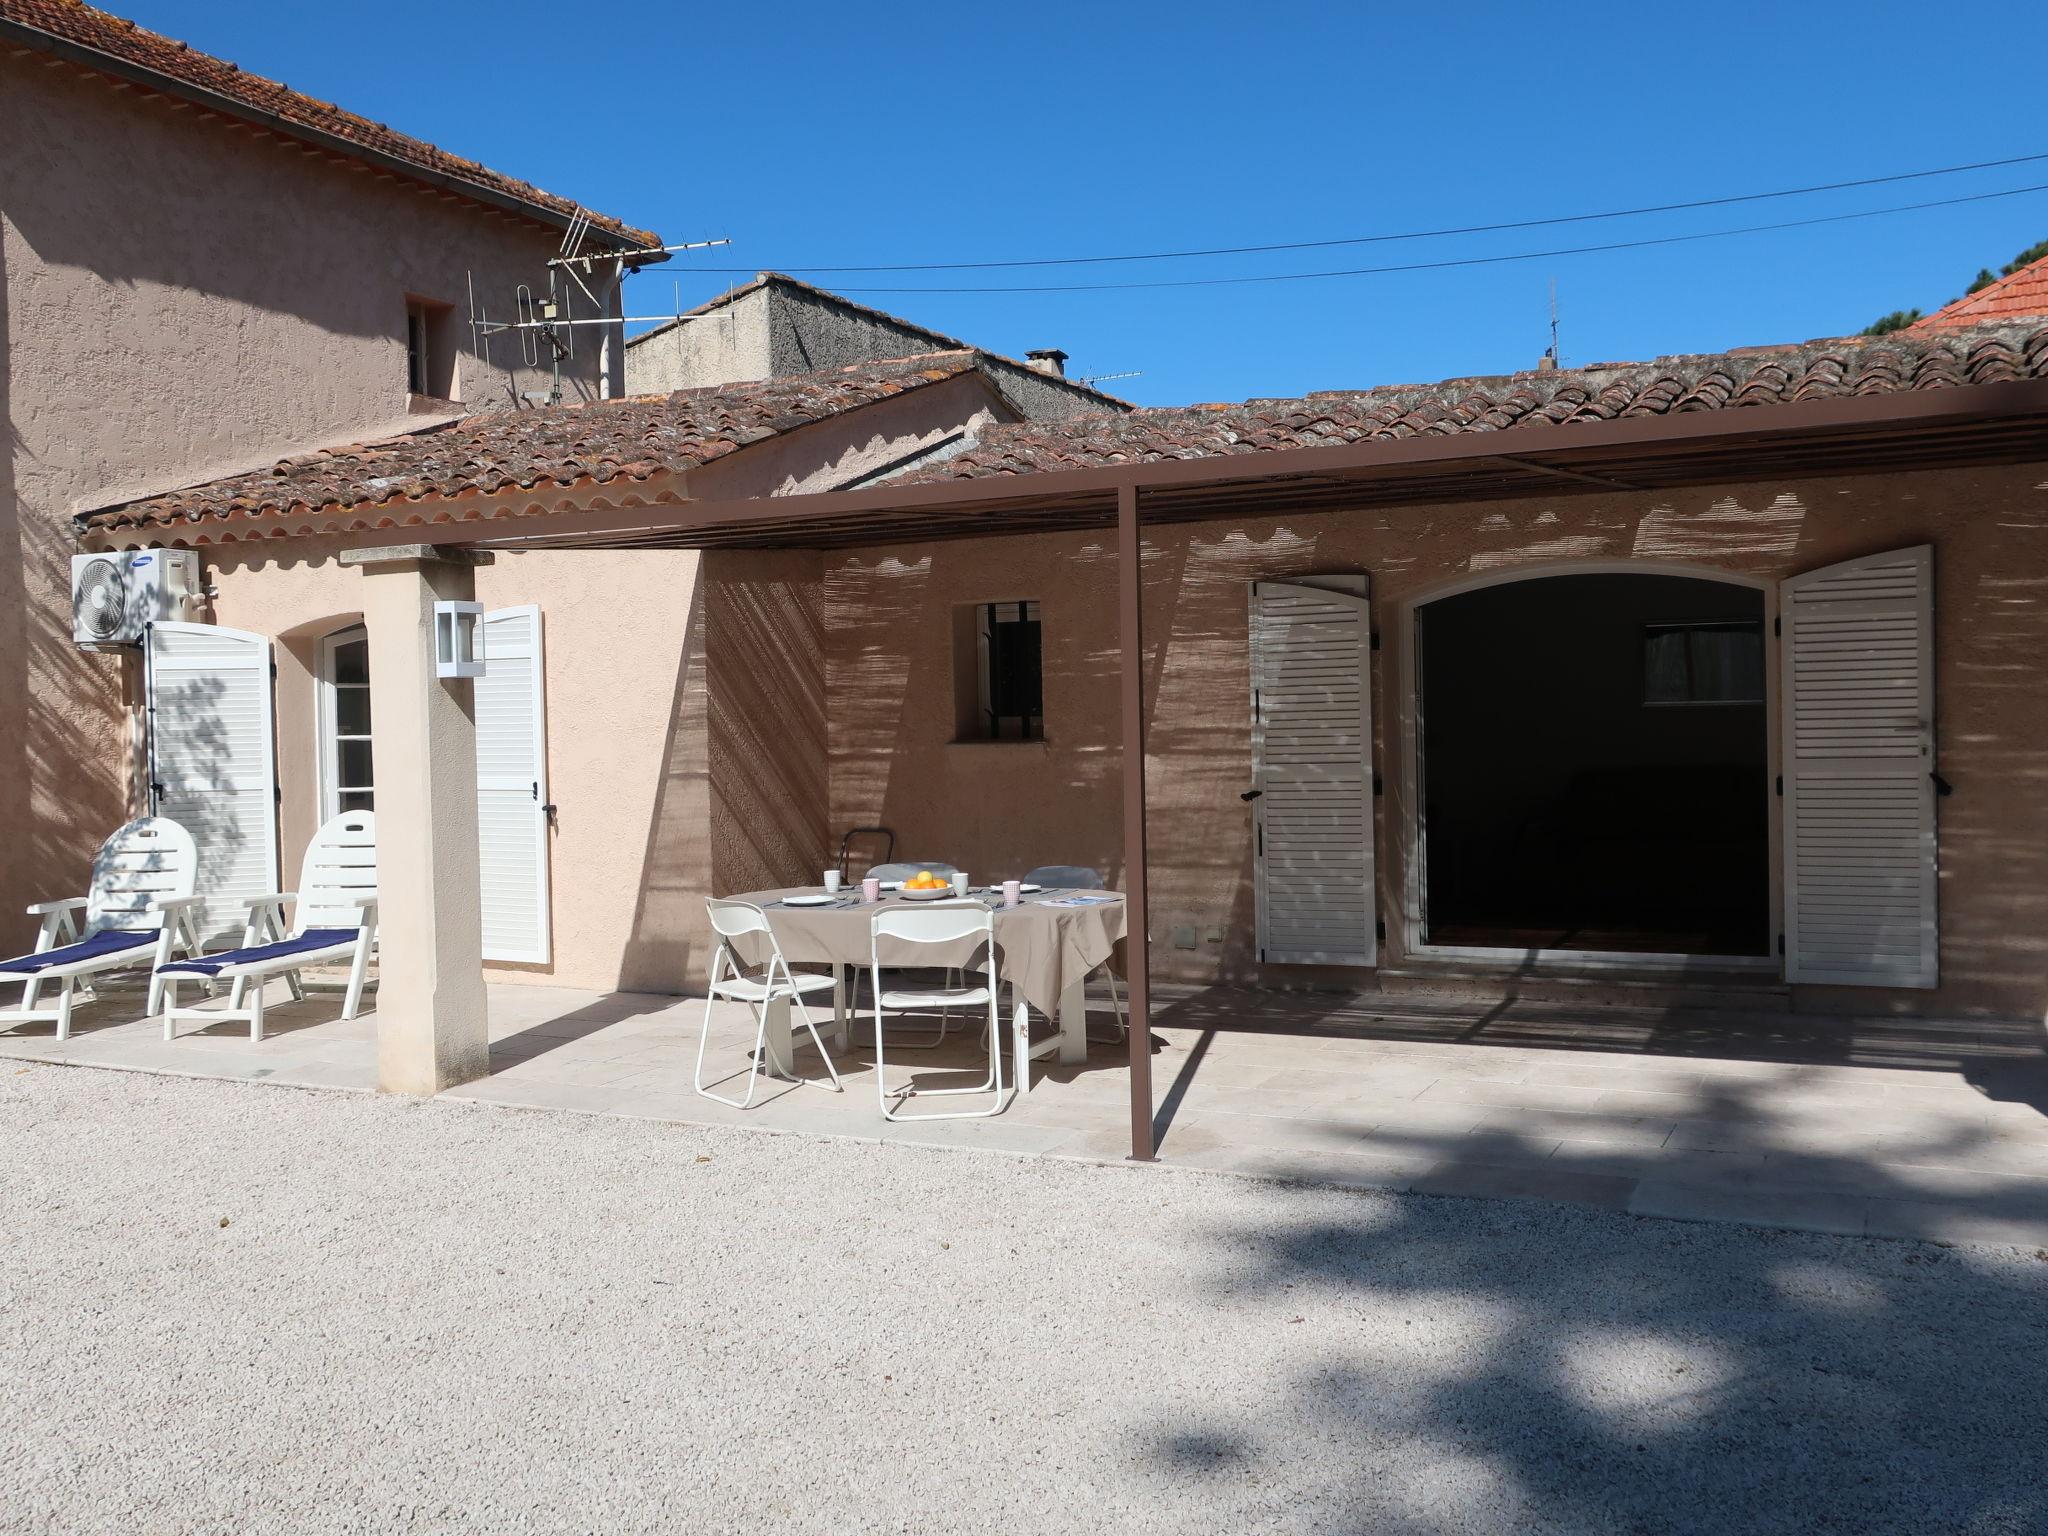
(892, 885)
(819, 900)
(1028, 889)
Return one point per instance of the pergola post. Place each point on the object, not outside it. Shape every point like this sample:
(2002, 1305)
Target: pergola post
(431, 1012)
(1130, 575)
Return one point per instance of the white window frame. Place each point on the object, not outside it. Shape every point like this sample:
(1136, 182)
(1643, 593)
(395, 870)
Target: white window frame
(329, 722)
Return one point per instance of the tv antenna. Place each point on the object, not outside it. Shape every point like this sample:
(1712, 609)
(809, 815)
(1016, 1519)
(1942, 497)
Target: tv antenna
(546, 324)
(1555, 360)
(1093, 379)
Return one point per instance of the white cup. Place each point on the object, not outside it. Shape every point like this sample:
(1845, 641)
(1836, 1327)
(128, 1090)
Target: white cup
(1013, 892)
(871, 889)
(831, 882)
(959, 883)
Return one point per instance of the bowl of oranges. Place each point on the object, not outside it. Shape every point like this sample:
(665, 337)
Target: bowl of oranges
(926, 886)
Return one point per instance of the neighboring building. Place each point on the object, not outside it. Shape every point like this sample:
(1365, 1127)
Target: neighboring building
(205, 271)
(2016, 297)
(775, 326)
(1644, 681)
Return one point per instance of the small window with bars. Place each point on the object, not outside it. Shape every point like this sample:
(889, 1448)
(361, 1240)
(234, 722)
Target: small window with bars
(1010, 692)
(1708, 663)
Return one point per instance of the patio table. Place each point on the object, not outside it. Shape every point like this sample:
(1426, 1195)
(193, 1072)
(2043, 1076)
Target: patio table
(1044, 951)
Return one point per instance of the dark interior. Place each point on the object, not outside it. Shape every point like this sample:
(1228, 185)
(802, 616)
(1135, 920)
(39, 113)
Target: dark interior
(1594, 766)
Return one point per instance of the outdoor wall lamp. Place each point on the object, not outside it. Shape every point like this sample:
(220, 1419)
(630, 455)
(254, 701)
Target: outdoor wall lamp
(458, 639)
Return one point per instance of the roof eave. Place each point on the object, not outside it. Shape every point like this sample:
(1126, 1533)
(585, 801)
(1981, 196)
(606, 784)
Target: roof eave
(580, 518)
(398, 165)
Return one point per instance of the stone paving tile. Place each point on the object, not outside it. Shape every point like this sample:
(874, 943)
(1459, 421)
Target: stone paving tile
(1344, 1169)
(1615, 1130)
(1511, 1095)
(2022, 1222)
(1803, 1210)
(1532, 1182)
(1904, 1151)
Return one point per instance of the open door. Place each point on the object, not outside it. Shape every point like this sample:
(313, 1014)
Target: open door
(212, 767)
(1858, 690)
(512, 788)
(1312, 823)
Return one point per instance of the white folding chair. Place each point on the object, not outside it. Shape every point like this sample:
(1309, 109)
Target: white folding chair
(900, 870)
(334, 918)
(776, 985)
(939, 923)
(140, 906)
(1078, 877)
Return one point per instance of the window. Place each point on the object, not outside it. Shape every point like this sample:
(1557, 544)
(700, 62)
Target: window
(1721, 663)
(998, 681)
(430, 349)
(346, 782)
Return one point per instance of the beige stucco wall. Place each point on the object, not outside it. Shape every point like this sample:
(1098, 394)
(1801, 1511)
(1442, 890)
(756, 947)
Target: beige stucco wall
(183, 298)
(685, 732)
(997, 809)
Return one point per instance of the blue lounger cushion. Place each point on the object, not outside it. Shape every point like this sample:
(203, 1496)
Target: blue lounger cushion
(108, 941)
(213, 965)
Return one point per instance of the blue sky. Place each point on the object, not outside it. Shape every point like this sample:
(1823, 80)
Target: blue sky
(820, 135)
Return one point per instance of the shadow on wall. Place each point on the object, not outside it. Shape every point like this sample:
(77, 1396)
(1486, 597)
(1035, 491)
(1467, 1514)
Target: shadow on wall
(665, 948)
(765, 652)
(1576, 1369)
(61, 792)
(741, 802)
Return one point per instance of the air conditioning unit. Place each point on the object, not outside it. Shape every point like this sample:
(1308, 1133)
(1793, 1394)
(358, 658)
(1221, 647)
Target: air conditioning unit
(114, 596)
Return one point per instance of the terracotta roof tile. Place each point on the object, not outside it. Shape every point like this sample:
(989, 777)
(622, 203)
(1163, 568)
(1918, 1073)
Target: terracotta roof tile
(1752, 376)
(39, 23)
(599, 443)
(2018, 297)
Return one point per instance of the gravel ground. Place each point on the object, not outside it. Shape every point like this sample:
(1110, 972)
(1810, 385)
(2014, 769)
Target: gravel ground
(232, 1308)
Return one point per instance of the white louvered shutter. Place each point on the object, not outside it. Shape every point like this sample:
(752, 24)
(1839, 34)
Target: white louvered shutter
(512, 787)
(1858, 681)
(1311, 651)
(212, 765)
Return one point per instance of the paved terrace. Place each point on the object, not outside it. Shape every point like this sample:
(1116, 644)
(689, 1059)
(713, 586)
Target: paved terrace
(1891, 1128)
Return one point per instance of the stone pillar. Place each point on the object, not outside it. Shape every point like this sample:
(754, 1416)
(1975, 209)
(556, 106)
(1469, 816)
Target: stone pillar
(430, 982)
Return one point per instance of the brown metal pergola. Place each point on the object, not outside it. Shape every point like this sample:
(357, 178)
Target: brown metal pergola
(1869, 434)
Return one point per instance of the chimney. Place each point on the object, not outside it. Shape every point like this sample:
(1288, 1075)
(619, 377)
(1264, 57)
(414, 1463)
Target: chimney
(1048, 360)
(1546, 363)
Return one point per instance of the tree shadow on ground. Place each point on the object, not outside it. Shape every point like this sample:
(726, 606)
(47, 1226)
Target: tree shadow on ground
(1519, 1366)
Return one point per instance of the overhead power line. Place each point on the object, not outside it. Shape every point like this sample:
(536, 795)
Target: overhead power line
(1418, 234)
(1461, 261)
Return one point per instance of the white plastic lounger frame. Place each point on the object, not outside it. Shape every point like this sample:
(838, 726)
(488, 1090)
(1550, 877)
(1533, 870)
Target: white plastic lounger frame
(940, 923)
(142, 881)
(339, 877)
(776, 986)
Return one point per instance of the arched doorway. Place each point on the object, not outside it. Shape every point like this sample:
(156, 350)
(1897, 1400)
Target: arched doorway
(1593, 756)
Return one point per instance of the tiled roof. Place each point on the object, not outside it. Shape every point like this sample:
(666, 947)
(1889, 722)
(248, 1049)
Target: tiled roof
(2022, 295)
(600, 443)
(104, 40)
(939, 339)
(1508, 403)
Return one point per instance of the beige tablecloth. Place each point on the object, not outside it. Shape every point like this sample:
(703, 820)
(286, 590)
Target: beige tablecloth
(1040, 949)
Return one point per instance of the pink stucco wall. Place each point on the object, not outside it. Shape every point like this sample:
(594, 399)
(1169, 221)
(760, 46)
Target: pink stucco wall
(998, 809)
(184, 297)
(685, 699)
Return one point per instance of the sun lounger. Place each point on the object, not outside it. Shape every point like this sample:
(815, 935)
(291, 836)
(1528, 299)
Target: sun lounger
(334, 919)
(139, 910)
